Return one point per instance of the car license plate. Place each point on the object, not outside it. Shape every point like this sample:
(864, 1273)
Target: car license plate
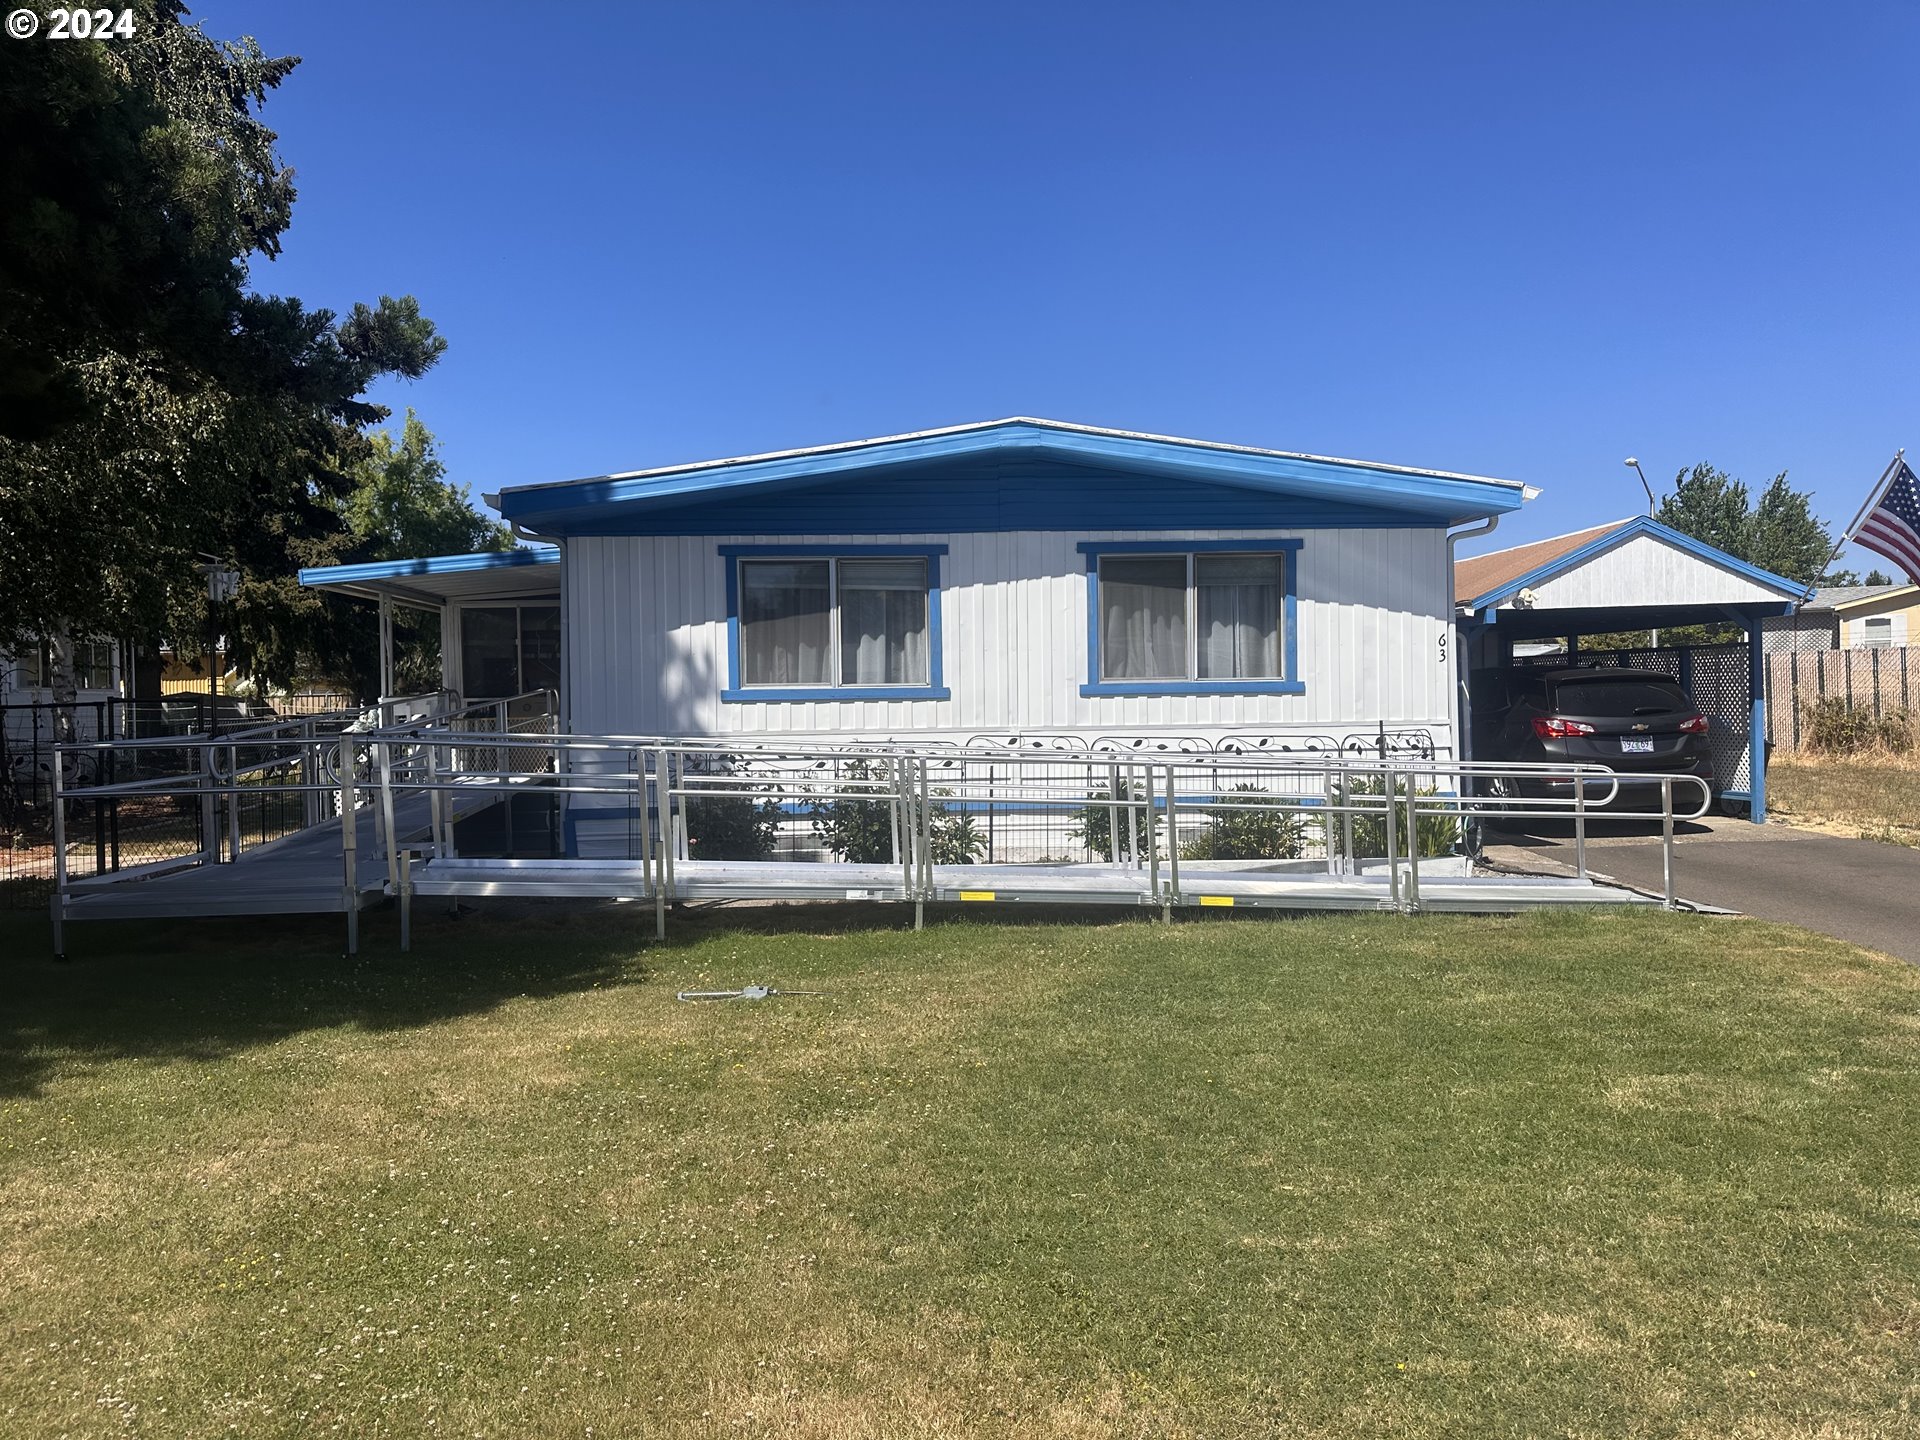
(1637, 747)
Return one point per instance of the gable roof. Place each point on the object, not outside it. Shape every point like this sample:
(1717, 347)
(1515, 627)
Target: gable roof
(1505, 573)
(1480, 574)
(1430, 496)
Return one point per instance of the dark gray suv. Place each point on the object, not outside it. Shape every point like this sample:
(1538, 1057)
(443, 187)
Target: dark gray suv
(1630, 720)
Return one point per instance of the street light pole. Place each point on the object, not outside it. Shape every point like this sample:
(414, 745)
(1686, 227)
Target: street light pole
(1653, 634)
(1635, 464)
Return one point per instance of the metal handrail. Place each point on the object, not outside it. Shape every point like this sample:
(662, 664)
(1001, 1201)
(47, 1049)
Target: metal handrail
(439, 756)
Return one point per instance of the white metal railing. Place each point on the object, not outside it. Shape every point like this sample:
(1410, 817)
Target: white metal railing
(1144, 801)
(166, 803)
(1352, 816)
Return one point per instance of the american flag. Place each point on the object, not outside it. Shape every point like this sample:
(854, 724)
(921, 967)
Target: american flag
(1893, 526)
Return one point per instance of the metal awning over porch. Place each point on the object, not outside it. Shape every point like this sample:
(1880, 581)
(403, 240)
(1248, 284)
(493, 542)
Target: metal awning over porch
(435, 581)
(1625, 576)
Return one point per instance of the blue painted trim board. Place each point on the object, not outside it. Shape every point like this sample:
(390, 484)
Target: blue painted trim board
(1289, 683)
(738, 694)
(429, 565)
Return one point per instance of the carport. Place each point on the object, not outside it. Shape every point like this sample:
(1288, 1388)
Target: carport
(1635, 575)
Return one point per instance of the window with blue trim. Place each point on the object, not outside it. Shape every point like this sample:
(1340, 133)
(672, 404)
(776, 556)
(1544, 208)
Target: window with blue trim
(1216, 618)
(811, 623)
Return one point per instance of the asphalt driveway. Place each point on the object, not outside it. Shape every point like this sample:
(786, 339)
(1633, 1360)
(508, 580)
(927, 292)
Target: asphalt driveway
(1857, 890)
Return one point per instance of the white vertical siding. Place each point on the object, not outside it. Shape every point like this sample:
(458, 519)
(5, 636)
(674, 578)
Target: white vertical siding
(648, 641)
(1647, 570)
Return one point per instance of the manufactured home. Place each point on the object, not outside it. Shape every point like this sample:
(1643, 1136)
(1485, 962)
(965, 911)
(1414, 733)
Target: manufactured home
(1019, 580)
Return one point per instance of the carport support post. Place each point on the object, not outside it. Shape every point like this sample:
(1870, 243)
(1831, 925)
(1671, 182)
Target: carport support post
(386, 646)
(1757, 724)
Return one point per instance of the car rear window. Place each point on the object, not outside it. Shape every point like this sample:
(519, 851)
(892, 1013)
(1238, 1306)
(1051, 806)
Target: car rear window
(1618, 699)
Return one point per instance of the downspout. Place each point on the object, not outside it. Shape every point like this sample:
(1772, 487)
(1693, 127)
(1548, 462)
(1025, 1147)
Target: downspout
(1462, 743)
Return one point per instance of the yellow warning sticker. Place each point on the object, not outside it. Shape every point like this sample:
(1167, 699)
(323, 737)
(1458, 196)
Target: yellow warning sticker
(976, 894)
(1216, 899)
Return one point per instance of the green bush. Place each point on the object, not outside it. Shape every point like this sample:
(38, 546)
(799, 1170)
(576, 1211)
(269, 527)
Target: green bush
(1439, 834)
(1255, 834)
(861, 830)
(1093, 823)
(1830, 726)
(731, 827)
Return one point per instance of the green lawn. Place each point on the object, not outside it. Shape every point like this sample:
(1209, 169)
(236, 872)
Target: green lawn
(1358, 1176)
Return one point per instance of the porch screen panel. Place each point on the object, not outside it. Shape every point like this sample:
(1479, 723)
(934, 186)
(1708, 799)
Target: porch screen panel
(1238, 600)
(539, 647)
(883, 622)
(1143, 622)
(786, 609)
(489, 652)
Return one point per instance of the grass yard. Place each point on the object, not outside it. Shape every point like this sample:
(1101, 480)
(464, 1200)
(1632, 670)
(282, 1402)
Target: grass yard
(1875, 797)
(1641, 1175)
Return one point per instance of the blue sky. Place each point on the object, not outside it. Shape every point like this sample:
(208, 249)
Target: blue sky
(1520, 240)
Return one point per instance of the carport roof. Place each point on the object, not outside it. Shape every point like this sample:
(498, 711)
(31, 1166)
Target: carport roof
(1482, 574)
(1487, 582)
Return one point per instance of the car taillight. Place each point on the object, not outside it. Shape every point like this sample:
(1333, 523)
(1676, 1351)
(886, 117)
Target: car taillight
(1557, 729)
(1696, 726)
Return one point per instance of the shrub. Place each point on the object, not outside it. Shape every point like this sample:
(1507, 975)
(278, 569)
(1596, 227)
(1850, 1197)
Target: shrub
(861, 830)
(1830, 726)
(731, 827)
(1253, 834)
(1093, 822)
(1439, 834)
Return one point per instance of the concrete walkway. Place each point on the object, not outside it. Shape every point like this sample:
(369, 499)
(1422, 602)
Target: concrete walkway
(1856, 890)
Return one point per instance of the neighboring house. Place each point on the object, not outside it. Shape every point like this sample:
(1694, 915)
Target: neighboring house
(27, 715)
(1019, 578)
(1849, 617)
(27, 677)
(1882, 616)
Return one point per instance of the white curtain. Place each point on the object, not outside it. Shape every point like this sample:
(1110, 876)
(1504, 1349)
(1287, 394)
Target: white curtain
(785, 620)
(1238, 597)
(883, 622)
(1143, 623)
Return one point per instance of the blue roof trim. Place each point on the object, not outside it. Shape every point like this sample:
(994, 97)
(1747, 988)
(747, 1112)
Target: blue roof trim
(430, 565)
(568, 507)
(1618, 536)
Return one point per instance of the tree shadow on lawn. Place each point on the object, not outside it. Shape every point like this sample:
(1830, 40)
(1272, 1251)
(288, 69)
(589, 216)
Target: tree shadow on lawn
(205, 988)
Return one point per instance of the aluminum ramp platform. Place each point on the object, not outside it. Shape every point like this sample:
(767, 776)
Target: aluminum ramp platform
(1089, 884)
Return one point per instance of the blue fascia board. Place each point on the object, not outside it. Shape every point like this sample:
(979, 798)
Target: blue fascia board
(1792, 590)
(429, 565)
(1604, 620)
(558, 509)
